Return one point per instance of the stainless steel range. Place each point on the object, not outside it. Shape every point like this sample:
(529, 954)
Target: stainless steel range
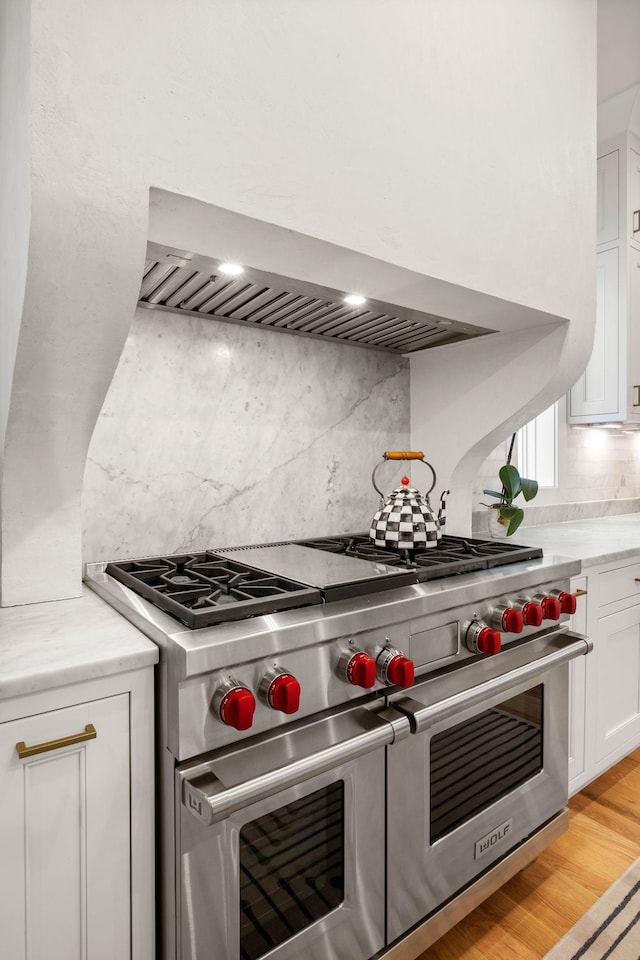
(355, 745)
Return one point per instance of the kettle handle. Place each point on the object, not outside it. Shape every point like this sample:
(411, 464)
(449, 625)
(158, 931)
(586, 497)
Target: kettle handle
(402, 455)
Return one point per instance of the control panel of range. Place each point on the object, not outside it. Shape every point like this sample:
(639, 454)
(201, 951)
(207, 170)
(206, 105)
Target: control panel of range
(258, 695)
(483, 632)
(234, 700)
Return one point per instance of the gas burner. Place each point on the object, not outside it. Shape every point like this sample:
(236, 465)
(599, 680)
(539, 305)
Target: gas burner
(201, 589)
(453, 555)
(355, 545)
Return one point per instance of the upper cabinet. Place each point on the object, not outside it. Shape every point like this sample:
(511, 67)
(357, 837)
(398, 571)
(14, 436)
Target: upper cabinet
(609, 388)
(598, 395)
(607, 223)
(634, 195)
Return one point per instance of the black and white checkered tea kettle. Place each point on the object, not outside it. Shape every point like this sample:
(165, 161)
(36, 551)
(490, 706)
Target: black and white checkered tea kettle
(405, 520)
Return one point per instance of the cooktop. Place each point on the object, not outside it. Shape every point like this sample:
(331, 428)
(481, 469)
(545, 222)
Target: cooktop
(215, 586)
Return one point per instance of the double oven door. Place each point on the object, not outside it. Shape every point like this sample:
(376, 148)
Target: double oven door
(280, 847)
(286, 846)
(486, 767)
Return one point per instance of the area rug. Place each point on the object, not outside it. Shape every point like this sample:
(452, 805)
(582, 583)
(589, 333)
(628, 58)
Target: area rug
(610, 930)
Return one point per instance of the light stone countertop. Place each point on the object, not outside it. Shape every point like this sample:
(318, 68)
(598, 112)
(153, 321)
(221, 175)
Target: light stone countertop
(592, 541)
(45, 645)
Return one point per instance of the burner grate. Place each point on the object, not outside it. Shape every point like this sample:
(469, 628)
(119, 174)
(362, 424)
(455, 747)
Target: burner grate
(204, 589)
(453, 555)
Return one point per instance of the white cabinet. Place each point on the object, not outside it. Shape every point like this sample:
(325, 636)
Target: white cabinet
(617, 683)
(609, 388)
(577, 688)
(76, 822)
(607, 221)
(604, 693)
(599, 392)
(634, 196)
(634, 327)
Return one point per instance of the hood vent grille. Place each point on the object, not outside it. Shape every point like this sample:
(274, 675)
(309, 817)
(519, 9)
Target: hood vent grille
(181, 282)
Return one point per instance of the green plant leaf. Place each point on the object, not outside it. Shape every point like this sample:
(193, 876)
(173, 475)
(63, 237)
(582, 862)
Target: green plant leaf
(515, 516)
(510, 480)
(493, 493)
(529, 488)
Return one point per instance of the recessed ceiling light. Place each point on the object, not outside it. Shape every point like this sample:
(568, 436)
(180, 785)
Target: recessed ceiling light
(233, 269)
(355, 300)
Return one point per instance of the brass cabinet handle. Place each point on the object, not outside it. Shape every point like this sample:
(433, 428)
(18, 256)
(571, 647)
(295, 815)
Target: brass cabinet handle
(24, 751)
(636, 213)
(637, 579)
(580, 593)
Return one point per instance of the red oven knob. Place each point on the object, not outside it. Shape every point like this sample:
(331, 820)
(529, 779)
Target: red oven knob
(394, 668)
(359, 669)
(283, 692)
(532, 613)
(400, 671)
(483, 639)
(512, 620)
(507, 619)
(237, 706)
(551, 609)
(567, 601)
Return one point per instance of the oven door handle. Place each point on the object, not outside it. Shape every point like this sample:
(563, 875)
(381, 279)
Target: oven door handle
(205, 796)
(566, 646)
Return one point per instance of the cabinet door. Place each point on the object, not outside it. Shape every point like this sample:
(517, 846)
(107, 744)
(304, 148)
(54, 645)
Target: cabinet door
(64, 836)
(618, 682)
(597, 393)
(634, 196)
(607, 226)
(577, 688)
(634, 332)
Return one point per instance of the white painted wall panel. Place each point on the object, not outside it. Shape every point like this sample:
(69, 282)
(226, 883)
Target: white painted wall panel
(453, 139)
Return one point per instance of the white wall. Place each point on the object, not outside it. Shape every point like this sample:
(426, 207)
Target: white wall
(618, 48)
(454, 139)
(482, 393)
(14, 187)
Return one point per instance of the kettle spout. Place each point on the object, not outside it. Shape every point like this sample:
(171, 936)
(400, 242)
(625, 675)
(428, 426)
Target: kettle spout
(442, 519)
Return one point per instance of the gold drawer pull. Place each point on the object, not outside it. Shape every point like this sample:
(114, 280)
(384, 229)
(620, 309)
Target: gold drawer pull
(24, 751)
(580, 593)
(637, 579)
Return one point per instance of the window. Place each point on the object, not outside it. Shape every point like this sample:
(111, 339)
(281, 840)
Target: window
(538, 448)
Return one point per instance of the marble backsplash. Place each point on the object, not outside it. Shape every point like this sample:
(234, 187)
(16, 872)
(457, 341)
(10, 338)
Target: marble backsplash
(214, 434)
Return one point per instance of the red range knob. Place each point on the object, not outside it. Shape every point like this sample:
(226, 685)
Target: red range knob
(488, 641)
(400, 671)
(512, 620)
(237, 708)
(550, 608)
(361, 670)
(532, 613)
(284, 693)
(568, 602)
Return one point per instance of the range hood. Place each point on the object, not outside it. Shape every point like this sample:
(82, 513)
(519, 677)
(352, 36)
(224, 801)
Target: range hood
(187, 283)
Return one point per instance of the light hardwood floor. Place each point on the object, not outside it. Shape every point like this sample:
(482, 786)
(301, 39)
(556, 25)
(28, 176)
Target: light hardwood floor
(530, 913)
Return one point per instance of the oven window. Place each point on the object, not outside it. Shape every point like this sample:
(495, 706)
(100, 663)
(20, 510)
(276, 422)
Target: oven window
(291, 869)
(477, 762)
